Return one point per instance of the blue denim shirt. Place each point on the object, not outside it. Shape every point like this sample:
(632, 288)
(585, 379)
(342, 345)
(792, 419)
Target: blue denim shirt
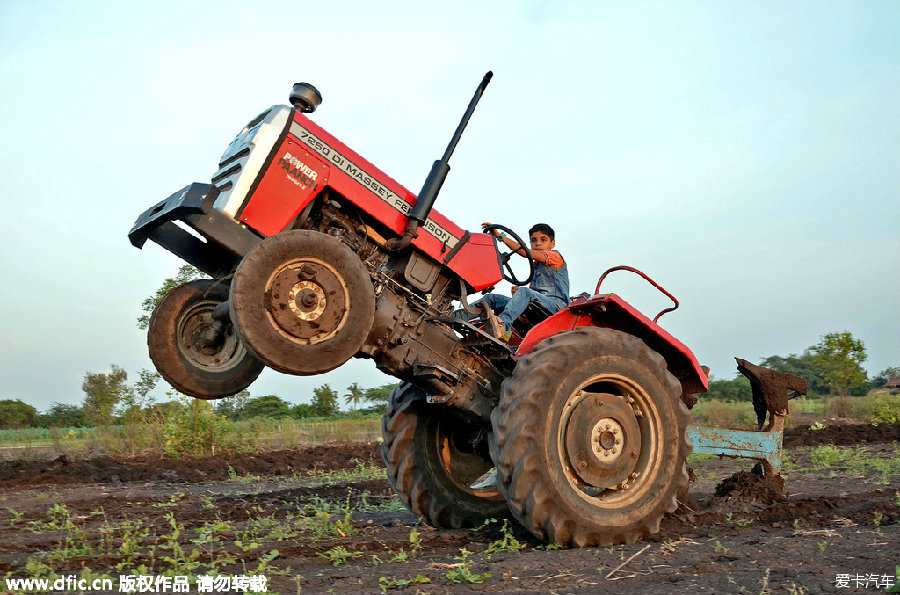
(552, 282)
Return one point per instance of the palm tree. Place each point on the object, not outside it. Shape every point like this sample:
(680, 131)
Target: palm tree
(354, 395)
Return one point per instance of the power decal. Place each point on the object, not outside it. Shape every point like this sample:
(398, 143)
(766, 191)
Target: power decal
(298, 172)
(367, 181)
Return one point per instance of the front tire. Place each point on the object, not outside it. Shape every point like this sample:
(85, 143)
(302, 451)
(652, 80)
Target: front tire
(589, 439)
(190, 354)
(302, 302)
(430, 461)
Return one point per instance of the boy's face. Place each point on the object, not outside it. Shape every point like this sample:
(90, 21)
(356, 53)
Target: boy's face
(541, 241)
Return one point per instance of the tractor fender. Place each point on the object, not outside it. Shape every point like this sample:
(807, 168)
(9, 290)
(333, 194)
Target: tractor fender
(611, 311)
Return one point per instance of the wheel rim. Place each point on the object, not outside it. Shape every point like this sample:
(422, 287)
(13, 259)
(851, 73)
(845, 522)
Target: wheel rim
(203, 344)
(307, 301)
(608, 444)
(461, 467)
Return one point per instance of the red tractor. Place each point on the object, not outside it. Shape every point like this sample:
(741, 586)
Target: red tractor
(317, 256)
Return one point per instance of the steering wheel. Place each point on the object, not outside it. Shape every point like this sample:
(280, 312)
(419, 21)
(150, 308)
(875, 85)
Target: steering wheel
(505, 256)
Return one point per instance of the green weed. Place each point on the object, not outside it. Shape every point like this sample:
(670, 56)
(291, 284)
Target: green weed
(462, 571)
(896, 587)
(387, 584)
(765, 583)
(17, 516)
(415, 547)
(731, 520)
(339, 555)
(247, 477)
(507, 543)
(360, 472)
(209, 531)
(740, 588)
(174, 501)
(886, 409)
(178, 558)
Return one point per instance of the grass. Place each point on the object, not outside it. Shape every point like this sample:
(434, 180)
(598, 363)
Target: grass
(360, 472)
(258, 434)
(836, 459)
(252, 435)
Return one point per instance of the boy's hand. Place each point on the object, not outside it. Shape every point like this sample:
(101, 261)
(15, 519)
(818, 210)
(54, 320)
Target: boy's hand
(493, 232)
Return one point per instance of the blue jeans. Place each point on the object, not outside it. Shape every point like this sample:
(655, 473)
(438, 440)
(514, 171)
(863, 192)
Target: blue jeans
(512, 307)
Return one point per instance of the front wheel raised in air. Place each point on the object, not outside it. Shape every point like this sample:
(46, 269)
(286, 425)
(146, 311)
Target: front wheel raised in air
(197, 355)
(433, 455)
(302, 302)
(589, 439)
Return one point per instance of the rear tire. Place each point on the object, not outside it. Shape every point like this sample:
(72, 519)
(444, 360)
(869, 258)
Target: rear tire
(302, 302)
(589, 439)
(193, 361)
(430, 463)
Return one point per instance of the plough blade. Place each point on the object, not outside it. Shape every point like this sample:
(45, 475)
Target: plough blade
(770, 394)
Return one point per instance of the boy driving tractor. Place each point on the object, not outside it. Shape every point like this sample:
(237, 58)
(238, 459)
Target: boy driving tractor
(549, 287)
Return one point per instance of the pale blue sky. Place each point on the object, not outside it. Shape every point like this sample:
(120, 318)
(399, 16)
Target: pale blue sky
(746, 155)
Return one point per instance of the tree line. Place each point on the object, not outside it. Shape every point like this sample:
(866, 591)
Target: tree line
(831, 367)
(110, 400)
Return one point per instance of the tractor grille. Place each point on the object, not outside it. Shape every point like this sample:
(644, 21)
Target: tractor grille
(242, 161)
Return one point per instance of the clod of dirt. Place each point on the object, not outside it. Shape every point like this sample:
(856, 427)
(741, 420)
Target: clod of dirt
(745, 486)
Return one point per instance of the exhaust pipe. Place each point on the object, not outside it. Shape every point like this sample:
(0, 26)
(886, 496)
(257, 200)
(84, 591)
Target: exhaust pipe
(436, 177)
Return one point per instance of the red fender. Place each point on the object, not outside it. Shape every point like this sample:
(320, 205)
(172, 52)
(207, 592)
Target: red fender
(611, 311)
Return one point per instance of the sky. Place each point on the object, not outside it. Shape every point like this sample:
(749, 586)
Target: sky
(745, 155)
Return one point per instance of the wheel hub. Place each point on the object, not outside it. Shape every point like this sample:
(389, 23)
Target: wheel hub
(207, 338)
(206, 342)
(307, 300)
(602, 439)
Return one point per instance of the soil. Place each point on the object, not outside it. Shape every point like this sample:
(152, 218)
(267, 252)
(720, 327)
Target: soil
(735, 531)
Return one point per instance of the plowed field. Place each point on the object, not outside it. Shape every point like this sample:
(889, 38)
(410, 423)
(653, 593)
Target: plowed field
(343, 530)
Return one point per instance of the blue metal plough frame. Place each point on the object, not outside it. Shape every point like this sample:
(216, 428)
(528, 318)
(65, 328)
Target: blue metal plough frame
(771, 392)
(764, 446)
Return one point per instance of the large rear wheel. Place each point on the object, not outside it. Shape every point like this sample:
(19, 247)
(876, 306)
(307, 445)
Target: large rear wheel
(302, 302)
(194, 353)
(433, 456)
(589, 439)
